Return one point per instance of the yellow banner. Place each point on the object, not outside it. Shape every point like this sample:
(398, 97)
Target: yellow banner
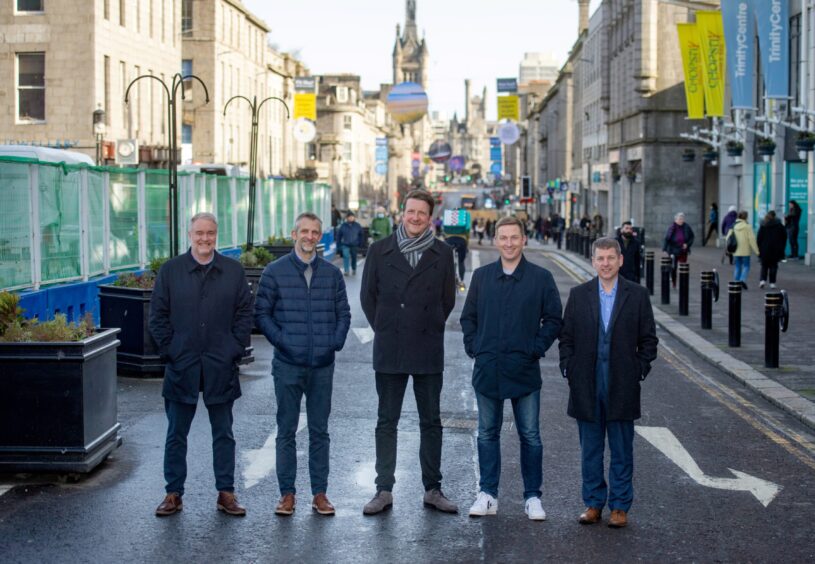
(711, 35)
(508, 107)
(305, 106)
(691, 49)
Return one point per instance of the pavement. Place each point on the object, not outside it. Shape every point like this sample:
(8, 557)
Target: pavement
(792, 385)
(721, 474)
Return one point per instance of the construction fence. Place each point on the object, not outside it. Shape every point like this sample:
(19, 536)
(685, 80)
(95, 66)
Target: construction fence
(63, 223)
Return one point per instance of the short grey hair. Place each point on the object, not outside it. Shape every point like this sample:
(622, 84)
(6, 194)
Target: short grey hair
(605, 243)
(307, 215)
(680, 214)
(204, 215)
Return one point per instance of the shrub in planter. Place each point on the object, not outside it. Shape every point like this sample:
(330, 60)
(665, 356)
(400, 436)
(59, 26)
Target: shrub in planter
(734, 148)
(765, 147)
(689, 155)
(805, 141)
(710, 155)
(57, 392)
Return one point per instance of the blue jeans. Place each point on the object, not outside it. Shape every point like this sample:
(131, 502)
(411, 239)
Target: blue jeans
(490, 418)
(620, 490)
(179, 420)
(741, 269)
(349, 255)
(290, 383)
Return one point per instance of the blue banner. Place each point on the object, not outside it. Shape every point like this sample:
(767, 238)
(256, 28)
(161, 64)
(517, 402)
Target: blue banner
(739, 36)
(495, 141)
(773, 21)
(495, 153)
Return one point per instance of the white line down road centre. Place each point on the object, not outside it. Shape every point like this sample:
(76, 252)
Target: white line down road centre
(364, 334)
(669, 445)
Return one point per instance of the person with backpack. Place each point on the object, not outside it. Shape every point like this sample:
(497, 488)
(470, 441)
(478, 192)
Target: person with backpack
(677, 243)
(727, 224)
(772, 241)
(745, 246)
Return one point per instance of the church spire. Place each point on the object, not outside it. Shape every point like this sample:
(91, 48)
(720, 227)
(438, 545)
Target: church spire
(410, 22)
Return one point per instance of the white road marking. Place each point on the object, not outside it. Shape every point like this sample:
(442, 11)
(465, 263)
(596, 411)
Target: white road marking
(665, 441)
(4, 489)
(364, 334)
(475, 260)
(261, 462)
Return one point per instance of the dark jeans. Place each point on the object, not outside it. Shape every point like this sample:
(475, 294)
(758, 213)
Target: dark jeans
(490, 418)
(391, 391)
(792, 237)
(460, 248)
(713, 228)
(349, 254)
(770, 268)
(290, 383)
(179, 419)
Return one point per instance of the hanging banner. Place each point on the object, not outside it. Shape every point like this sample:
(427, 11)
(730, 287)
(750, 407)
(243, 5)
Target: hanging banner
(509, 85)
(711, 36)
(508, 107)
(691, 50)
(739, 35)
(305, 106)
(773, 21)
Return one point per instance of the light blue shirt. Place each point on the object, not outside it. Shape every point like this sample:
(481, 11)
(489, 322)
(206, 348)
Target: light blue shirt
(607, 302)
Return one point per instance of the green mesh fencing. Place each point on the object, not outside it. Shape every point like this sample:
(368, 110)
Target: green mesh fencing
(96, 222)
(242, 205)
(157, 213)
(123, 216)
(224, 201)
(15, 226)
(59, 223)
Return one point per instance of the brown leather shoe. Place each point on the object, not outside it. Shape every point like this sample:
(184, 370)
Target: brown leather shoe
(286, 505)
(170, 505)
(321, 505)
(590, 516)
(618, 519)
(228, 503)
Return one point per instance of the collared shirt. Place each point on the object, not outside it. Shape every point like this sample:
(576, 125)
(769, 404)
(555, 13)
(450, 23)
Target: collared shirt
(309, 272)
(607, 302)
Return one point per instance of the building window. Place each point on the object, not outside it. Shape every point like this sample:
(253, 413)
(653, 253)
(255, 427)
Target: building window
(31, 86)
(346, 122)
(186, 16)
(342, 94)
(29, 6)
(186, 133)
(347, 151)
(122, 12)
(186, 67)
(106, 9)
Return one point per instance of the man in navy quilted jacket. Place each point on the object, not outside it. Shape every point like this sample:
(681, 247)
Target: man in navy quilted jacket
(302, 309)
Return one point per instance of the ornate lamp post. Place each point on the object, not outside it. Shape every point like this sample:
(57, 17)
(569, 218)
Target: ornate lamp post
(99, 132)
(172, 92)
(253, 157)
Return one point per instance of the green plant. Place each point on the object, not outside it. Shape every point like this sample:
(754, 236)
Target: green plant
(258, 257)
(145, 280)
(157, 262)
(734, 146)
(280, 240)
(765, 143)
(14, 328)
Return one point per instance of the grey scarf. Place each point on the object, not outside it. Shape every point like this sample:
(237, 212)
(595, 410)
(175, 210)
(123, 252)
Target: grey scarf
(413, 248)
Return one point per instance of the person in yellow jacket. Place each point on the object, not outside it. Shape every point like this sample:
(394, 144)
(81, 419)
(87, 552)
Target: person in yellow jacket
(747, 246)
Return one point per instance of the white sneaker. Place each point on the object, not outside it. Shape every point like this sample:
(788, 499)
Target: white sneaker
(484, 504)
(762, 283)
(772, 286)
(534, 509)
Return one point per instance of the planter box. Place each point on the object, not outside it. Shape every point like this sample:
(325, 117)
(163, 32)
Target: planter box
(129, 310)
(58, 409)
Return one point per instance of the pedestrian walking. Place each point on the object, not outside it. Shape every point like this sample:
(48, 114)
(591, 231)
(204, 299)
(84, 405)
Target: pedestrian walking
(792, 222)
(772, 243)
(607, 345)
(349, 241)
(597, 224)
(511, 317)
(302, 310)
(201, 321)
(727, 224)
(712, 223)
(746, 240)
(381, 226)
(480, 229)
(677, 243)
(408, 291)
(631, 253)
(489, 230)
(558, 226)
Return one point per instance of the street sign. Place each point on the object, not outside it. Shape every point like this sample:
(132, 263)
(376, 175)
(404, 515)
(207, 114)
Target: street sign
(508, 108)
(304, 130)
(509, 85)
(509, 133)
(305, 84)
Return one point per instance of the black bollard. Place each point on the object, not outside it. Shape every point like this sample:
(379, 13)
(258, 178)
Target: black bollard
(559, 237)
(649, 272)
(708, 278)
(773, 309)
(734, 314)
(587, 249)
(684, 287)
(665, 265)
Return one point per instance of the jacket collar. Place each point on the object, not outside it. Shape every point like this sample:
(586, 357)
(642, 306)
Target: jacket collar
(299, 264)
(192, 264)
(398, 260)
(518, 274)
(623, 291)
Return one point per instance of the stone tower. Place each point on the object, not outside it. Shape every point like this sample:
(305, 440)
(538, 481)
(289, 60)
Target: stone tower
(410, 56)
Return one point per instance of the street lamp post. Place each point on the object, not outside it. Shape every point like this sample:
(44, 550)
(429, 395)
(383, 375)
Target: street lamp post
(253, 157)
(172, 92)
(99, 132)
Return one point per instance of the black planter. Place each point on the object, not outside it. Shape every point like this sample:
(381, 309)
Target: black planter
(766, 150)
(58, 408)
(278, 250)
(689, 157)
(710, 155)
(805, 145)
(129, 310)
(734, 151)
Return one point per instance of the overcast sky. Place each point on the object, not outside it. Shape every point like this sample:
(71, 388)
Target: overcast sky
(476, 39)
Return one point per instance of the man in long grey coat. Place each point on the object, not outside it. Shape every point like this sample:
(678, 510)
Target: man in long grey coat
(607, 345)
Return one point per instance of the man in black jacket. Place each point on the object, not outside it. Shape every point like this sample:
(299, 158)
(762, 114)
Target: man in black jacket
(604, 380)
(201, 320)
(408, 291)
(632, 253)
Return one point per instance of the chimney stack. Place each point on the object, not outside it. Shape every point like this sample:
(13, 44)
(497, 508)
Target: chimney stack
(583, 24)
(467, 100)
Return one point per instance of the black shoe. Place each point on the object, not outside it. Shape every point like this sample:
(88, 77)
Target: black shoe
(744, 285)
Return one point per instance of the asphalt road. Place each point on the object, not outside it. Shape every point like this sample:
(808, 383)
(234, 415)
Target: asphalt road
(697, 425)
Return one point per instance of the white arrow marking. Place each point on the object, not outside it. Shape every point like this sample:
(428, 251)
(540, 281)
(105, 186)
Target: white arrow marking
(669, 445)
(4, 489)
(364, 334)
(261, 462)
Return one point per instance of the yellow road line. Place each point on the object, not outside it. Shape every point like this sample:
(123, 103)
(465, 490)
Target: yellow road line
(563, 267)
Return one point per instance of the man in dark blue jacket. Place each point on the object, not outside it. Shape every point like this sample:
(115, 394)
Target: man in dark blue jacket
(302, 309)
(511, 317)
(201, 320)
(349, 241)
